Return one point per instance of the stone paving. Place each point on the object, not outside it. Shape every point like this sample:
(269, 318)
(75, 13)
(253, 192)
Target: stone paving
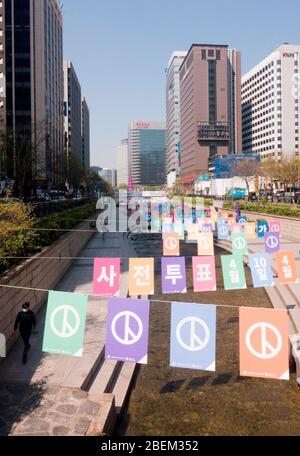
(45, 396)
(40, 410)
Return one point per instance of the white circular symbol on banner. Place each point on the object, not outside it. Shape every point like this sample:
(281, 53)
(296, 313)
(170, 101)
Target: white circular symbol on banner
(239, 243)
(275, 228)
(66, 329)
(272, 242)
(223, 230)
(268, 351)
(171, 243)
(205, 243)
(196, 344)
(129, 337)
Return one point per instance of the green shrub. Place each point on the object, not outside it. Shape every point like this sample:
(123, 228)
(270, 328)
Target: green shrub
(17, 239)
(276, 209)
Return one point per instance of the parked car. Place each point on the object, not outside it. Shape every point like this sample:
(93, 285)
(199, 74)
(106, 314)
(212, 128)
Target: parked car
(279, 197)
(289, 197)
(43, 197)
(252, 196)
(77, 196)
(297, 197)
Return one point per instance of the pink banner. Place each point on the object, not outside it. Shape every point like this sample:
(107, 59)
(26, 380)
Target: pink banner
(275, 226)
(106, 276)
(236, 228)
(204, 273)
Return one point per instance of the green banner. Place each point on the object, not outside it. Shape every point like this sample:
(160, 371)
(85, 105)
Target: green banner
(239, 244)
(65, 323)
(233, 272)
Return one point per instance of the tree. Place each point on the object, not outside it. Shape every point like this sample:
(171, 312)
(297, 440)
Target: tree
(247, 169)
(73, 170)
(92, 182)
(271, 170)
(123, 186)
(177, 187)
(285, 171)
(23, 157)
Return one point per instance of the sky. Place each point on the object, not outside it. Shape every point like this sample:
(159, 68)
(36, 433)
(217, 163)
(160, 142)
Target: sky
(120, 49)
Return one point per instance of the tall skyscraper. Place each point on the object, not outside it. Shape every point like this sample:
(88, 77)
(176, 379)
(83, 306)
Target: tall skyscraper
(122, 162)
(147, 153)
(85, 133)
(109, 175)
(173, 116)
(73, 113)
(31, 100)
(210, 107)
(270, 104)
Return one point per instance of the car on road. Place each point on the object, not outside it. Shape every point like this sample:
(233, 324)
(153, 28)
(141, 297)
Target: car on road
(76, 196)
(252, 196)
(297, 197)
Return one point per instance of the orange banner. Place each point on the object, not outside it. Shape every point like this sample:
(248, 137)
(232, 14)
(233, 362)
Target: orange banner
(141, 276)
(264, 345)
(250, 230)
(171, 244)
(286, 267)
(205, 244)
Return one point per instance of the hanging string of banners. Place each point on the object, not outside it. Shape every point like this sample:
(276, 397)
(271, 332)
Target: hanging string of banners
(263, 333)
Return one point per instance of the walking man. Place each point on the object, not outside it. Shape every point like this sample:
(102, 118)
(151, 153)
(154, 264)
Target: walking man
(25, 321)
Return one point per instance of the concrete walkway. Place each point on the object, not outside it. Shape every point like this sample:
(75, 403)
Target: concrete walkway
(46, 397)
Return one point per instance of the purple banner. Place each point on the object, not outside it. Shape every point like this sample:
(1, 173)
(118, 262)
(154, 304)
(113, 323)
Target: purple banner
(272, 242)
(173, 275)
(127, 328)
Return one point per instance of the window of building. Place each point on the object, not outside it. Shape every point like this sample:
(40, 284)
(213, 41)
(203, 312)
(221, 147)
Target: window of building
(218, 54)
(211, 53)
(203, 54)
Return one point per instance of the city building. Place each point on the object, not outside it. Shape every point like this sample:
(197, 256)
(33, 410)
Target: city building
(109, 175)
(31, 91)
(147, 153)
(122, 163)
(270, 104)
(210, 108)
(85, 133)
(72, 113)
(173, 116)
(96, 169)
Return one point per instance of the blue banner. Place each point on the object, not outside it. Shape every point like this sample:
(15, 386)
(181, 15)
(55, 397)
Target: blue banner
(223, 232)
(262, 228)
(262, 275)
(193, 336)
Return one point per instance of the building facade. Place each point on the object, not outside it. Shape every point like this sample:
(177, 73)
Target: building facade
(270, 104)
(210, 107)
(147, 153)
(96, 169)
(173, 116)
(72, 113)
(109, 175)
(122, 163)
(31, 96)
(85, 134)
